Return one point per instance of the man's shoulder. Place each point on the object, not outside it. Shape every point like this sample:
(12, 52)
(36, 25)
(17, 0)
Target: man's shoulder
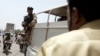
(76, 35)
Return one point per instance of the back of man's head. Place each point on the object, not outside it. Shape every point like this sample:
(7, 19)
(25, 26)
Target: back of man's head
(88, 8)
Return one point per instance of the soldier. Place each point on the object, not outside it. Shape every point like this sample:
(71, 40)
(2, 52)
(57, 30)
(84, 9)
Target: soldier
(29, 21)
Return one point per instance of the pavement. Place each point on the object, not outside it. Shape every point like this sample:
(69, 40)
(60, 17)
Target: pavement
(15, 51)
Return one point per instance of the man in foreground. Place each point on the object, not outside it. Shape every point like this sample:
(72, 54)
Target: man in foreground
(84, 36)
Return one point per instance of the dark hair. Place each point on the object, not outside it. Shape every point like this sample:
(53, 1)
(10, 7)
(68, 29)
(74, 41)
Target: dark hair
(88, 8)
(29, 8)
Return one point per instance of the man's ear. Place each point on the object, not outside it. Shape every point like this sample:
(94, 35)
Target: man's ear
(77, 19)
(75, 16)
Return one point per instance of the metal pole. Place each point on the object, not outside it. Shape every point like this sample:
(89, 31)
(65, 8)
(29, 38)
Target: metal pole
(48, 24)
(55, 18)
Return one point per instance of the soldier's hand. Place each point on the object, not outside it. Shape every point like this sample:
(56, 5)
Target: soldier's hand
(30, 25)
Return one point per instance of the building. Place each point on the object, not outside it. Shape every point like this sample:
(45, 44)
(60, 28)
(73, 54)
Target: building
(9, 27)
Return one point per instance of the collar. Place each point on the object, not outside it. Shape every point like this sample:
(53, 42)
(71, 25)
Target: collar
(93, 24)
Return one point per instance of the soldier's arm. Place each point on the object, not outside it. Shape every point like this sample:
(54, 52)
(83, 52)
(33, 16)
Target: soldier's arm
(34, 21)
(35, 18)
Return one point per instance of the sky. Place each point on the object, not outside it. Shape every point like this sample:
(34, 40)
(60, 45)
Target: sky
(13, 11)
